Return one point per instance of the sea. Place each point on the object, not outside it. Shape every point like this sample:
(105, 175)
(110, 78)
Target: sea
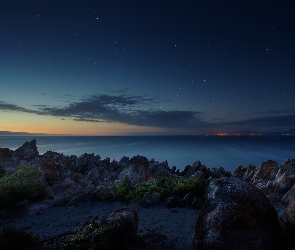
(228, 152)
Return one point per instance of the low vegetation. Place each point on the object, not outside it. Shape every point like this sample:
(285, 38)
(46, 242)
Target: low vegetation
(18, 239)
(23, 184)
(165, 185)
(2, 172)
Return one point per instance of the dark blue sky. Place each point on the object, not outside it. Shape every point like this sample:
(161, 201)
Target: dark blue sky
(147, 67)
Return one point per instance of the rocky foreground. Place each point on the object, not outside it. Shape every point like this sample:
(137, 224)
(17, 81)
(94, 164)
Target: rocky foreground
(238, 212)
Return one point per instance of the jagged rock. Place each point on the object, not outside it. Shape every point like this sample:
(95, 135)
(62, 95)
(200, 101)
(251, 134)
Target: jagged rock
(150, 200)
(28, 151)
(197, 167)
(266, 172)
(284, 180)
(289, 196)
(245, 173)
(200, 175)
(236, 215)
(141, 170)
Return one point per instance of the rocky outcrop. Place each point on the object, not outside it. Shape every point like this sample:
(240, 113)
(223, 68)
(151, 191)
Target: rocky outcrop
(200, 170)
(72, 179)
(237, 215)
(141, 170)
(245, 173)
(275, 181)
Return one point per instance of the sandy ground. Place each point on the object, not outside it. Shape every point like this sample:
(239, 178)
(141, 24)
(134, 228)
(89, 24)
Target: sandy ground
(49, 222)
(177, 226)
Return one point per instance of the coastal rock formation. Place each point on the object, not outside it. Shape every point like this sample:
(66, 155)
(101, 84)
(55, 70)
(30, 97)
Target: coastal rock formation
(200, 170)
(237, 215)
(141, 170)
(275, 181)
(72, 179)
(289, 196)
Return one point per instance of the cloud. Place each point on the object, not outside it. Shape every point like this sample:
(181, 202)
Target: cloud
(136, 110)
(12, 107)
(284, 121)
(125, 109)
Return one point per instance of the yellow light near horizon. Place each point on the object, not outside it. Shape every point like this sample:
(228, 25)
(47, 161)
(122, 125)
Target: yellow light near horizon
(32, 123)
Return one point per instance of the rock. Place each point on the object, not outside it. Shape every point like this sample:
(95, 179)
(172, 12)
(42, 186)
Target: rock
(172, 202)
(266, 172)
(285, 178)
(104, 194)
(6, 155)
(236, 215)
(117, 231)
(141, 170)
(245, 173)
(28, 151)
(197, 203)
(289, 196)
(123, 225)
(197, 167)
(150, 200)
(290, 213)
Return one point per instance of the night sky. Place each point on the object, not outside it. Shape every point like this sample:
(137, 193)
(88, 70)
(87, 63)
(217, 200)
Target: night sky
(147, 67)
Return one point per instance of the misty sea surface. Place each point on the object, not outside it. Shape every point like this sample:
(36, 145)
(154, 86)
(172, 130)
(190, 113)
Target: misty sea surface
(179, 151)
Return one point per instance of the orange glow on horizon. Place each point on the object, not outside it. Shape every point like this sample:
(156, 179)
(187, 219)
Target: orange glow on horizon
(19, 122)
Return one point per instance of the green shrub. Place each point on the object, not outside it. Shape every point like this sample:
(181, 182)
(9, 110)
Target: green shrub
(165, 185)
(24, 184)
(123, 189)
(143, 189)
(96, 235)
(18, 239)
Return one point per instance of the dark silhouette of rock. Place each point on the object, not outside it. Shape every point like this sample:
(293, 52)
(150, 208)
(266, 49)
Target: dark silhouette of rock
(197, 168)
(275, 181)
(150, 200)
(173, 202)
(123, 225)
(28, 151)
(288, 227)
(290, 213)
(245, 173)
(192, 201)
(289, 196)
(141, 170)
(266, 172)
(5, 155)
(236, 215)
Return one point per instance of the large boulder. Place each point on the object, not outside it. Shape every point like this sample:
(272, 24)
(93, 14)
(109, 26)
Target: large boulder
(123, 224)
(237, 215)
